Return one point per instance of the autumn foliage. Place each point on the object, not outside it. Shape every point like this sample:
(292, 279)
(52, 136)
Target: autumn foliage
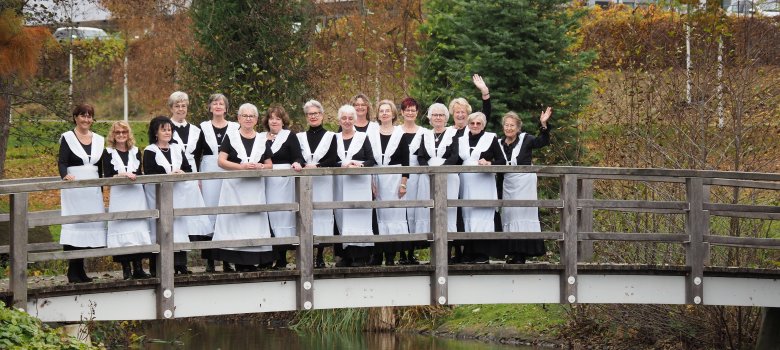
(20, 47)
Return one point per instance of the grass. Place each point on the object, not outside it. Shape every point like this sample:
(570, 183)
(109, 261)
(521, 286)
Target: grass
(533, 320)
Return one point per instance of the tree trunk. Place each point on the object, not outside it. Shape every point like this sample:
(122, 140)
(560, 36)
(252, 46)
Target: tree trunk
(5, 122)
(381, 319)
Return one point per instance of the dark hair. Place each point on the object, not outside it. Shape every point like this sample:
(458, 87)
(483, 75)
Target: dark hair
(409, 102)
(156, 124)
(278, 111)
(81, 109)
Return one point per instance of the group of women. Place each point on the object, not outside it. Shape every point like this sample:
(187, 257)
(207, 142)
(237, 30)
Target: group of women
(177, 146)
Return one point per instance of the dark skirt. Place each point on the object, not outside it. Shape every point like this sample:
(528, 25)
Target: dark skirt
(244, 258)
(204, 253)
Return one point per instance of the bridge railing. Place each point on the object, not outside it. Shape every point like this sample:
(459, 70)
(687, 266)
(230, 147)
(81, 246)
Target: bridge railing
(575, 202)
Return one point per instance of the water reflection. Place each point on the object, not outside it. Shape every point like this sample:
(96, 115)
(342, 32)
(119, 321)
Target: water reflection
(197, 334)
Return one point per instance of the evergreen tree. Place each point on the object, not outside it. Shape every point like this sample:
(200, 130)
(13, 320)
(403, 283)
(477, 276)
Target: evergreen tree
(251, 51)
(524, 50)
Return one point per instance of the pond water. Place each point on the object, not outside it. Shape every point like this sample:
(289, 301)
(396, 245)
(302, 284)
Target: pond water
(198, 334)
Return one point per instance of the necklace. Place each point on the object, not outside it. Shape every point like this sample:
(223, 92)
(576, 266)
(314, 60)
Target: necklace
(165, 150)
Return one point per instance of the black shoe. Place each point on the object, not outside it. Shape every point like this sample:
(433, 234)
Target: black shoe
(413, 260)
(246, 268)
(181, 270)
(126, 271)
(210, 266)
(358, 263)
(319, 263)
(226, 267)
(481, 259)
(515, 260)
(138, 270)
(344, 262)
(375, 261)
(389, 263)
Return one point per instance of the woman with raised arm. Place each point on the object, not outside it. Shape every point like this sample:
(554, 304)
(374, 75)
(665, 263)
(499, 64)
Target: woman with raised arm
(79, 159)
(318, 147)
(244, 149)
(363, 109)
(285, 154)
(122, 159)
(479, 148)
(354, 151)
(436, 149)
(389, 150)
(517, 147)
(164, 157)
(418, 186)
(212, 135)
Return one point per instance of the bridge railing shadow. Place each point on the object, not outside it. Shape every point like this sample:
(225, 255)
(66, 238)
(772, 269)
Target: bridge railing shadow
(575, 202)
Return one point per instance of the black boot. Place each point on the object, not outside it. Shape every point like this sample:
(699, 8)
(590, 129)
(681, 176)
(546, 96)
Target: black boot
(390, 258)
(82, 272)
(375, 260)
(411, 259)
(402, 259)
(281, 260)
(226, 267)
(319, 261)
(73, 274)
(210, 265)
(181, 270)
(125, 270)
(138, 270)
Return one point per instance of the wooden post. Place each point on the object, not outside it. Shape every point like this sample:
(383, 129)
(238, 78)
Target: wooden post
(18, 224)
(165, 304)
(304, 261)
(696, 226)
(439, 248)
(769, 333)
(569, 227)
(585, 221)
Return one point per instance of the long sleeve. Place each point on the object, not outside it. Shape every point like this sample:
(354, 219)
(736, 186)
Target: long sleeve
(331, 159)
(62, 159)
(496, 153)
(108, 168)
(487, 108)
(369, 154)
(185, 164)
(150, 165)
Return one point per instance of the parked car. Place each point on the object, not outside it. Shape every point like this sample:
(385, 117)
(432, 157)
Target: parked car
(68, 33)
(766, 8)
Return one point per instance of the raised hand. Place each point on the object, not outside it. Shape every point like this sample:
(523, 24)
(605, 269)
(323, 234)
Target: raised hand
(480, 84)
(545, 116)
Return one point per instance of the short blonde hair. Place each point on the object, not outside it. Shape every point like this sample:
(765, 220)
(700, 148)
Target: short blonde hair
(460, 101)
(513, 115)
(393, 109)
(120, 125)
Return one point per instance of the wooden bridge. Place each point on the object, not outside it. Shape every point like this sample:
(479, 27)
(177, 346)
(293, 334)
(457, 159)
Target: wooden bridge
(572, 280)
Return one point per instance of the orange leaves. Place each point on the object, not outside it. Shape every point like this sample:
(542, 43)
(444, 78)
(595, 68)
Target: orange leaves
(20, 46)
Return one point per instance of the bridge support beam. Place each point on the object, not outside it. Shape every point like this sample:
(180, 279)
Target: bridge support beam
(697, 225)
(569, 227)
(769, 335)
(18, 278)
(305, 261)
(585, 221)
(164, 269)
(439, 248)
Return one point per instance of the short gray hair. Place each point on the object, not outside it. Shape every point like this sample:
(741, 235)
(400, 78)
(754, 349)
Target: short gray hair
(347, 109)
(477, 115)
(439, 106)
(250, 107)
(218, 96)
(313, 103)
(176, 97)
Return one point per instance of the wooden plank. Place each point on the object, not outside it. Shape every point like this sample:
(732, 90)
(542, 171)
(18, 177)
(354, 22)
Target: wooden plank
(165, 290)
(569, 224)
(18, 225)
(696, 226)
(235, 209)
(439, 249)
(634, 178)
(34, 247)
(52, 217)
(92, 253)
(635, 237)
(416, 237)
(236, 243)
(305, 260)
(747, 242)
(743, 183)
(5, 217)
(632, 204)
(744, 208)
(745, 215)
(585, 221)
(649, 211)
(488, 203)
(373, 204)
(465, 236)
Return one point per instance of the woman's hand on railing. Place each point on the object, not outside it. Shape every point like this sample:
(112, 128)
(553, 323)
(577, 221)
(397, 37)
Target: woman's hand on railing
(296, 166)
(177, 171)
(130, 176)
(484, 162)
(311, 166)
(69, 177)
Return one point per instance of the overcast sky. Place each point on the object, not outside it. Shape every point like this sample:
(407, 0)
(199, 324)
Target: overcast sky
(78, 10)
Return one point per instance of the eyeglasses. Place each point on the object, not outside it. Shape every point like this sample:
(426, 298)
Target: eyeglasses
(312, 114)
(438, 115)
(359, 105)
(121, 132)
(247, 116)
(475, 123)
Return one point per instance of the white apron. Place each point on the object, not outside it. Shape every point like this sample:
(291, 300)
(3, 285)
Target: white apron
(208, 164)
(281, 190)
(389, 220)
(244, 191)
(519, 187)
(453, 180)
(123, 233)
(186, 194)
(418, 187)
(322, 185)
(477, 185)
(88, 200)
(353, 222)
(190, 145)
